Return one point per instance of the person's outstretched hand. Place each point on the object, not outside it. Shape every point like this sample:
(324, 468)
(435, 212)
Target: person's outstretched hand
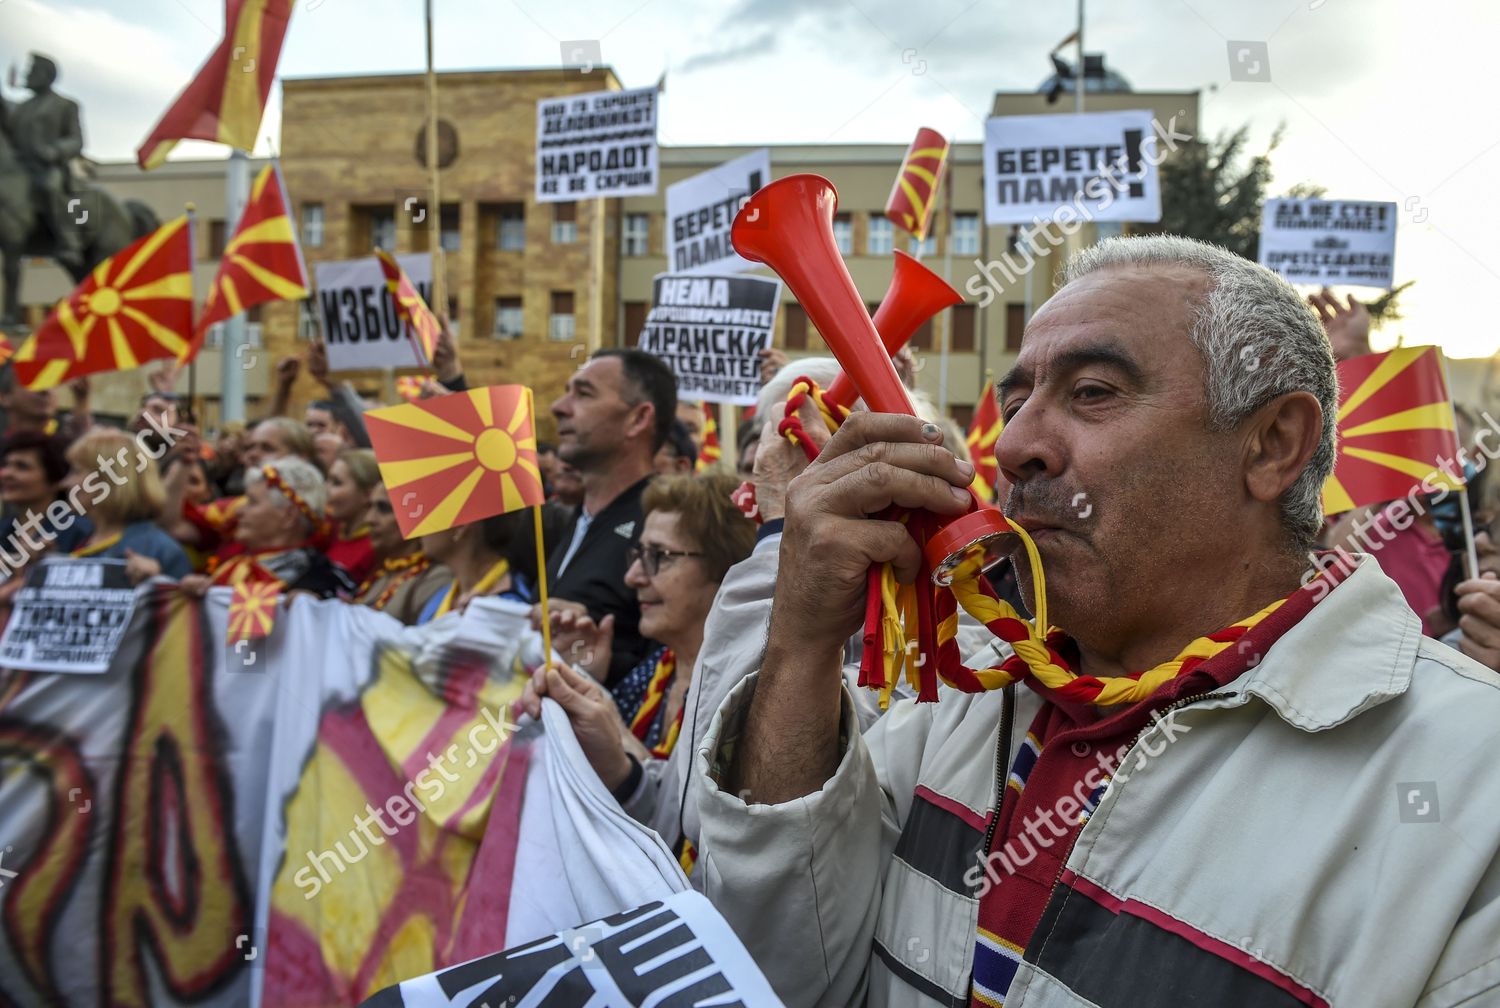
(1348, 326)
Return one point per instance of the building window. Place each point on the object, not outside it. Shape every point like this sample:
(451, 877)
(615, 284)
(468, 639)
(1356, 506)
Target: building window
(449, 228)
(965, 236)
(922, 338)
(564, 224)
(380, 226)
(217, 237)
(312, 225)
(560, 324)
(635, 321)
(962, 339)
(508, 322)
(1015, 325)
(796, 327)
(512, 233)
(879, 240)
(637, 234)
(926, 247)
(843, 233)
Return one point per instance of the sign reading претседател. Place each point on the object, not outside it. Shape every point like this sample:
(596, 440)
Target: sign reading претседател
(711, 330)
(70, 616)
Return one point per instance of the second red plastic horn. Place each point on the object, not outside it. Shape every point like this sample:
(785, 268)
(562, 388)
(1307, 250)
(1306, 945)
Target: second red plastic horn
(915, 295)
(788, 225)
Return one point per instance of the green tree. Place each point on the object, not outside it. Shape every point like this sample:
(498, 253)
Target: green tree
(1214, 190)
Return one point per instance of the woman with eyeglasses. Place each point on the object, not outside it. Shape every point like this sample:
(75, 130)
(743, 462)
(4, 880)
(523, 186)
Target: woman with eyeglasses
(691, 536)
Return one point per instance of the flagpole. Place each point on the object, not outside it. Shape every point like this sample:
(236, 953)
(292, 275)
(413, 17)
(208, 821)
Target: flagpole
(231, 357)
(947, 347)
(541, 558)
(1471, 553)
(435, 210)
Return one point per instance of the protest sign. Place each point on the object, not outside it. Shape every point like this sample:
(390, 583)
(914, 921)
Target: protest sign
(1100, 166)
(710, 330)
(70, 616)
(701, 209)
(597, 144)
(1326, 242)
(361, 325)
(678, 951)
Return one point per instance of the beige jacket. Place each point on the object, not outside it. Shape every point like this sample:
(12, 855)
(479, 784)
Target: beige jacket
(1324, 830)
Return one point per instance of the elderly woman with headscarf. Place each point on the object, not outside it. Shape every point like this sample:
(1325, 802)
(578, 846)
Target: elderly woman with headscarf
(279, 534)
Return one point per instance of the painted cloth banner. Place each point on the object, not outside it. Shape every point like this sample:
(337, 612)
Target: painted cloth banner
(598, 144)
(711, 330)
(1328, 242)
(70, 616)
(701, 209)
(1099, 166)
(677, 951)
(301, 820)
(361, 324)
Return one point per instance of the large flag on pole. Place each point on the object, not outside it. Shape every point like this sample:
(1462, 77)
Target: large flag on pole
(135, 306)
(914, 193)
(1395, 427)
(458, 458)
(261, 262)
(421, 324)
(984, 431)
(226, 99)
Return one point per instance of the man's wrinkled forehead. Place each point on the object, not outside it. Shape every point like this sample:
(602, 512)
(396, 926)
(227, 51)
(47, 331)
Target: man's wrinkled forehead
(1140, 314)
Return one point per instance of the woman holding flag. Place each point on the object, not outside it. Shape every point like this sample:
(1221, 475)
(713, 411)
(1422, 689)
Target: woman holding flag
(692, 535)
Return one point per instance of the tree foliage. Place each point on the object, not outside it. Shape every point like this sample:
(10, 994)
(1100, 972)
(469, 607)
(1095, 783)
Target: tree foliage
(1213, 190)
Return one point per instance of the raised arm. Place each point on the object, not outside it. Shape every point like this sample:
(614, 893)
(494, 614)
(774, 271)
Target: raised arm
(791, 741)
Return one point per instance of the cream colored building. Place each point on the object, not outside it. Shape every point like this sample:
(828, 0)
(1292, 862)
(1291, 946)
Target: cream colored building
(534, 286)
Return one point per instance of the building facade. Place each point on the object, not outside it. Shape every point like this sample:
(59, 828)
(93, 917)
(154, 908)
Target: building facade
(534, 287)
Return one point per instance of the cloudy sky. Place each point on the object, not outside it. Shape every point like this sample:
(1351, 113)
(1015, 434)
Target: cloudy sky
(1381, 99)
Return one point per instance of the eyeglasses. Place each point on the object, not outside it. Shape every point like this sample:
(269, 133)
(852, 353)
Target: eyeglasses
(652, 556)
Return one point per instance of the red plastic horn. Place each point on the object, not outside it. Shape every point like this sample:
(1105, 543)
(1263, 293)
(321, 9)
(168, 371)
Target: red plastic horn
(915, 295)
(788, 225)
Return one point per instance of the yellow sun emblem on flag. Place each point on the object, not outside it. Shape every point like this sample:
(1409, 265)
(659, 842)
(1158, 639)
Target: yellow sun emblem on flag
(459, 458)
(252, 611)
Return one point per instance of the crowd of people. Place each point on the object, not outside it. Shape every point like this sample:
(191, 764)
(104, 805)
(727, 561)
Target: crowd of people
(718, 701)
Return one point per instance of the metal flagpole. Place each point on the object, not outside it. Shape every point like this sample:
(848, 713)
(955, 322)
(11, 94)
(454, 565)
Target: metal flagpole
(236, 337)
(435, 209)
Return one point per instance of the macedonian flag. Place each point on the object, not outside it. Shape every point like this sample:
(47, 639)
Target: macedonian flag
(225, 101)
(252, 610)
(135, 306)
(984, 431)
(458, 458)
(261, 262)
(1395, 428)
(421, 324)
(915, 192)
(709, 452)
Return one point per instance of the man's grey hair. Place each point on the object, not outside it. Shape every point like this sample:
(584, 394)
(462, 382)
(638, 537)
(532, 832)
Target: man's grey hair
(1259, 340)
(299, 474)
(822, 370)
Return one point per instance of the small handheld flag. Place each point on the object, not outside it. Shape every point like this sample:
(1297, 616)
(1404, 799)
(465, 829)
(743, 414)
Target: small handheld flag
(252, 610)
(1395, 427)
(710, 451)
(261, 262)
(914, 193)
(984, 431)
(135, 306)
(458, 458)
(421, 325)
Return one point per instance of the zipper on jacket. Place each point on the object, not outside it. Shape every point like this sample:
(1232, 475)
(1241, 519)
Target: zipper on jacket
(1002, 764)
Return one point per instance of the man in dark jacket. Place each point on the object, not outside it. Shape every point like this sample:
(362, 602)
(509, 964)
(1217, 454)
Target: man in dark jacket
(611, 420)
